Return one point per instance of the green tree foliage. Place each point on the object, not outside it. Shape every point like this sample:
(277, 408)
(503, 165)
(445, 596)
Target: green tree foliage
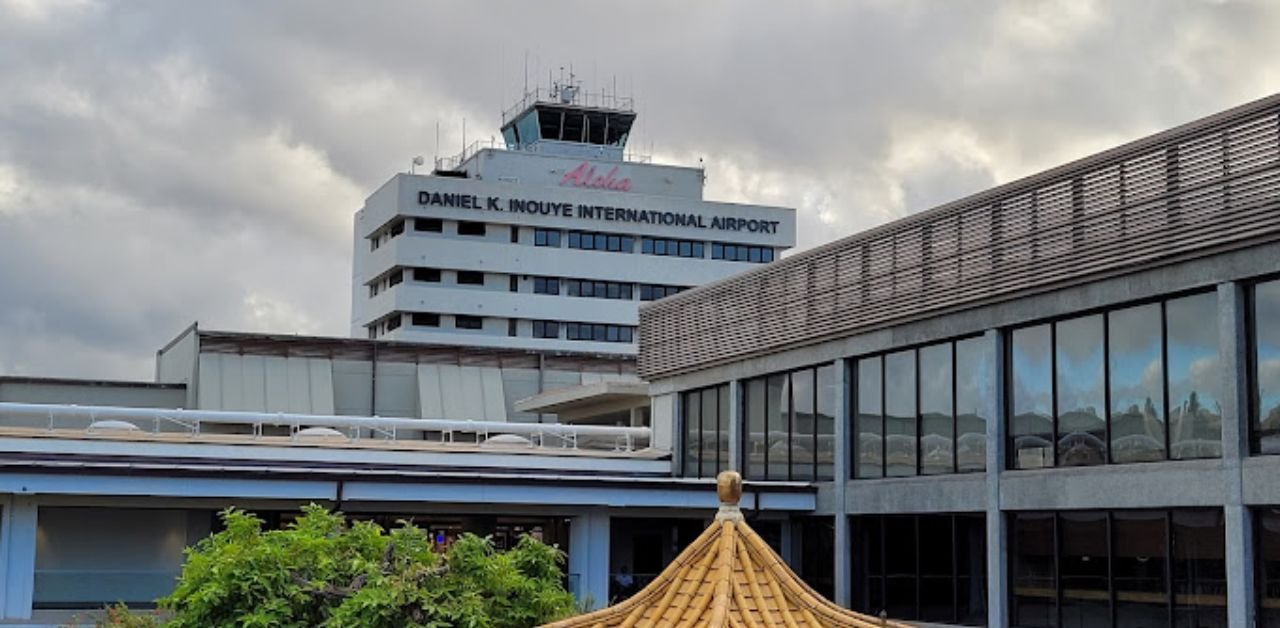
(320, 571)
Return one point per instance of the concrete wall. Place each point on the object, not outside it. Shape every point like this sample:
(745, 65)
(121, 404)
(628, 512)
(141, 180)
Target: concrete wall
(1235, 483)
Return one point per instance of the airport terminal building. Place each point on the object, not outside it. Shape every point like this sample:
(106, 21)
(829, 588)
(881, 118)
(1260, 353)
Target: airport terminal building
(550, 241)
(1053, 403)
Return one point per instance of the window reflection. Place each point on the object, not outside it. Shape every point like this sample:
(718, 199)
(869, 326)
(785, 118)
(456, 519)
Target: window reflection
(1082, 433)
(869, 430)
(1195, 413)
(972, 405)
(790, 420)
(803, 420)
(825, 419)
(900, 413)
(755, 450)
(1032, 419)
(1155, 365)
(706, 431)
(937, 419)
(776, 460)
(922, 411)
(1266, 366)
(1137, 384)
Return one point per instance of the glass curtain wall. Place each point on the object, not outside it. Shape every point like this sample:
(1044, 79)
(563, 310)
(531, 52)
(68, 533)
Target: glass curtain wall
(1124, 568)
(922, 411)
(790, 425)
(706, 431)
(1134, 384)
(1266, 553)
(921, 567)
(1265, 319)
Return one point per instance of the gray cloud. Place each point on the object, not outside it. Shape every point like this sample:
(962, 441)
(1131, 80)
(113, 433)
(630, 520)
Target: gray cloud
(162, 162)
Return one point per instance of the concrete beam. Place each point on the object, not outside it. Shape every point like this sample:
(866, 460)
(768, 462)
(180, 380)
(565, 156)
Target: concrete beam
(589, 558)
(17, 556)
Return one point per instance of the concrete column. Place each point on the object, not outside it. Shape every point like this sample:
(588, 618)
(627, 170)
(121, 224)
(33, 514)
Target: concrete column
(997, 533)
(735, 425)
(589, 557)
(843, 545)
(1233, 353)
(17, 556)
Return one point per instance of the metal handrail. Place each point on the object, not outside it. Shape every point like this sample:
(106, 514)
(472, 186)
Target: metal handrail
(540, 435)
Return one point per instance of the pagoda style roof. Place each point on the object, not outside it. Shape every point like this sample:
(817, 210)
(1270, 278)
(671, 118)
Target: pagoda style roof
(728, 577)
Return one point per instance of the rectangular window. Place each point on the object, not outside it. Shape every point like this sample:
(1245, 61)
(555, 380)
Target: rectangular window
(425, 319)
(937, 416)
(546, 285)
(900, 413)
(1110, 380)
(397, 228)
(755, 450)
(513, 327)
(1135, 366)
(1081, 401)
(395, 277)
(470, 278)
(1086, 569)
(433, 225)
(1267, 564)
(471, 228)
(1195, 413)
(546, 329)
(717, 250)
(1031, 428)
(546, 237)
(393, 321)
(515, 234)
(514, 283)
(431, 275)
(922, 411)
(1265, 369)
(973, 372)
(868, 429)
(462, 321)
(599, 332)
(921, 567)
(706, 430)
(791, 428)
(575, 240)
(1199, 568)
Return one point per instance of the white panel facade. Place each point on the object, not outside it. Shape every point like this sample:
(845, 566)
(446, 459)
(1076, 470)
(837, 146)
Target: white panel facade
(499, 258)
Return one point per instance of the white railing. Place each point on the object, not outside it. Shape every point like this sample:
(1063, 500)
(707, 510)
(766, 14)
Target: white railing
(311, 428)
(455, 162)
(570, 95)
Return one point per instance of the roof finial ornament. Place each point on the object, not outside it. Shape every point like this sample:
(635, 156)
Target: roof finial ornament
(729, 489)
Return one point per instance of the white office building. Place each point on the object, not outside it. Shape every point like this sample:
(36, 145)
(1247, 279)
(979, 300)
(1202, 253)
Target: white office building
(550, 243)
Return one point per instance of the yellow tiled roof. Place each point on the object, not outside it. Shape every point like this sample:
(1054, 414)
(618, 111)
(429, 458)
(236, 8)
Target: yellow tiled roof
(728, 577)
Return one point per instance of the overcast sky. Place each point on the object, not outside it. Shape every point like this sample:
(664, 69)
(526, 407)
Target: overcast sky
(167, 162)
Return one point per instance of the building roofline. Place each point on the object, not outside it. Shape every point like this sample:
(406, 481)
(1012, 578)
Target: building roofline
(103, 383)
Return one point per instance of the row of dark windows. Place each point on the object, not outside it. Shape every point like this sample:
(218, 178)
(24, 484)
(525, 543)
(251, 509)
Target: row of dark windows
(428, 225)
(541, 285)
(741, 253)
(598, 332)
(929, 568)
(1133, 384)
(922, 411)
(672, 247)
(593, 241)
(1123, 568)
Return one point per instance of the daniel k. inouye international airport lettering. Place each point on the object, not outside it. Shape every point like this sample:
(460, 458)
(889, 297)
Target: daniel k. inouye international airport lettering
(595, 212)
